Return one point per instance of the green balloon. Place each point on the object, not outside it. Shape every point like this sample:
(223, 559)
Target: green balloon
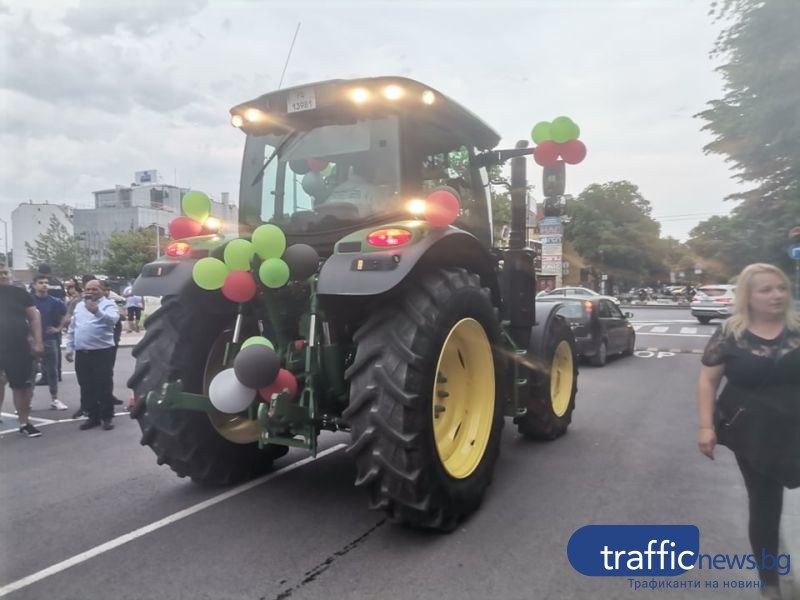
(209, 273)
(541, 132)
(327, 170)
(563, 129)
(274, 273)
(196, 205)
(269, 241)
(257, 340)
(238, 255)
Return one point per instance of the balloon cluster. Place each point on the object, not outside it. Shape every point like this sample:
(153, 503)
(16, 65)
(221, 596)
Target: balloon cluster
(313, 170)
(256, 369)
(557, 139)
(236, 275)
(197, 208)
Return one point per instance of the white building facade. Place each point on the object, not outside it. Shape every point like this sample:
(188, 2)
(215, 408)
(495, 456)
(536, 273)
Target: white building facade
(28, 222)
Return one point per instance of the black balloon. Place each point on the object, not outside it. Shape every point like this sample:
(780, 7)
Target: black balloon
(302, 259)
(256, 366)
(299, 166)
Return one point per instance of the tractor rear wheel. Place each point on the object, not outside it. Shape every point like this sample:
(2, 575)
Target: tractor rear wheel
(181, 342)
(552, 394)
(425, 412)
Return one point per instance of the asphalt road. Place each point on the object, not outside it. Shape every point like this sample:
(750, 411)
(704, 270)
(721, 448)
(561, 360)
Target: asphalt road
(88, 515)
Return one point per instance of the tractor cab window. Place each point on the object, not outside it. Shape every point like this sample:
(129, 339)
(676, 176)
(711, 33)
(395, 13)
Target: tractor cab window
(321, 179)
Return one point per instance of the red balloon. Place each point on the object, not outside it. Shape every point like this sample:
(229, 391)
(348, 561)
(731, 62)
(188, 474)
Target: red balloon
(183, 227)
(286, 380)
(317, 165)
(239, 286)
(546, 154)
(573, 151)
(442, 208)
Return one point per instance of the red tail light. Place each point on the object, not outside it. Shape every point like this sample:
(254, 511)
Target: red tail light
(389, 238)
(179, 249)
(725, 300)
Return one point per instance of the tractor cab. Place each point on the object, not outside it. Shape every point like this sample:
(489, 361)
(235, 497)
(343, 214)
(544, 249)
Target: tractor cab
(326, 159)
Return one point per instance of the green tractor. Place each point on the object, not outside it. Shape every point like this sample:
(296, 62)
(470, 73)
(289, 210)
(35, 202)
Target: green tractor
(417, 336)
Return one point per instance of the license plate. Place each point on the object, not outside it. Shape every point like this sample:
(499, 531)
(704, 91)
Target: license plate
(300, 100)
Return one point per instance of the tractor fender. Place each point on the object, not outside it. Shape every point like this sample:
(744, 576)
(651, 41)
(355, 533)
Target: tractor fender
(545, 313)
(378, 272)
(164, 277)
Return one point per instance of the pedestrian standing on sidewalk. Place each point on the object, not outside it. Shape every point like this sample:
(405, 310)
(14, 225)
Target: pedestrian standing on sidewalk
(19, 319)
(757, 415)
(134, 304)
(52, 311)
(90, 343)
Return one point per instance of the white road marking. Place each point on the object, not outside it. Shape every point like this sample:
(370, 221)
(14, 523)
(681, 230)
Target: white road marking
(181, 514)
(660, 329)
(686, 330)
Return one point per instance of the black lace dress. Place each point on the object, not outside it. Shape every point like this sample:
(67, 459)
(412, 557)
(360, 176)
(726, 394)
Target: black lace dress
(758, 412)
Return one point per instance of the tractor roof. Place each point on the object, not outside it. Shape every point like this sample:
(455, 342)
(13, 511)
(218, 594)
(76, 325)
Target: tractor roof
(340, 101)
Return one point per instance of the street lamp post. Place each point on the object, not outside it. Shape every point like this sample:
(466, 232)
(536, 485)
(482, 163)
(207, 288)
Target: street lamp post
(5, 240)
(158, 241)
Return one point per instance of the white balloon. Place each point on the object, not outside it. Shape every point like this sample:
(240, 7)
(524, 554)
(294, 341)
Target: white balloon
(228, 395)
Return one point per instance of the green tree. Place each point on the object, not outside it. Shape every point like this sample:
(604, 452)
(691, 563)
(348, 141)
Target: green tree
(611, 228)
(756, 125)
(128, 251)
(58, 248)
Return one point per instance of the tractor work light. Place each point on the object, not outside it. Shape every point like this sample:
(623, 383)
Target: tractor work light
(237, 120)
(389, 238)
(359, 95)
(179, 249)
(416, 207)
(393, 92)
(254, 115)
(212, 225)
(428, 97)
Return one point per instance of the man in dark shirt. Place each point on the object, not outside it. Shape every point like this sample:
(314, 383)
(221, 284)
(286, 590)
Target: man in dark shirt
(52, 311)
(55, 289)
(18, 319)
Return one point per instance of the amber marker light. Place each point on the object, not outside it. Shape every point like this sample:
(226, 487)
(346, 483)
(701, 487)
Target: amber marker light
(178, 249)
(393, 92)
(359, 95)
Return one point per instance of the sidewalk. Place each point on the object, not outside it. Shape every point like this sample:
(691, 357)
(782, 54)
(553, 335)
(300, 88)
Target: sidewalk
(130, 339)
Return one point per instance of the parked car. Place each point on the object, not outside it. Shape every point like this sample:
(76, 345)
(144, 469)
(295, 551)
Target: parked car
(713, 302)
(600, 327)
(576, 292)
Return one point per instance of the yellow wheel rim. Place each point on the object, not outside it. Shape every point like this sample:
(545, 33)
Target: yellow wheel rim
(234, 428)
(463, 398)
(561, 374)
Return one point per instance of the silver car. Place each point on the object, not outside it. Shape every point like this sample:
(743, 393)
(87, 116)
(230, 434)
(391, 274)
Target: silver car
(713, 302)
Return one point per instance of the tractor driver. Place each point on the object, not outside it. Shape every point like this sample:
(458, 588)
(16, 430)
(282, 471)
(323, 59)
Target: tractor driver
(357, 190)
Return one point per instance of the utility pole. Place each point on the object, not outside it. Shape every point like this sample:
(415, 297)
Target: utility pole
(5, 240)
(158, 241)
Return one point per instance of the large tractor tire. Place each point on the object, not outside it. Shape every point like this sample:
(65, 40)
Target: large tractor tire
(553, 386)
(425, 409)
(184, 340)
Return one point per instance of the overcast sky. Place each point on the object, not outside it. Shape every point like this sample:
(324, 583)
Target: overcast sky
(95, 90)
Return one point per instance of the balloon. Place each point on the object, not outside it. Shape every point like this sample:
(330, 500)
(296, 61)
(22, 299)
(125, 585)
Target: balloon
(257, 340)
(256, 366)
(313, 184)
(273, 273)
(269, 241)
(284, 380)
(299, 166)
(196, 205)
(564, 129)
(327, 170)
(183, 227)
(316, 164)
(227, 394)
(238, 254)
(573, 151)
(302, 260)
(209, 273)
(546, 154)
(239, 286)
(541, 132)
(442, 207)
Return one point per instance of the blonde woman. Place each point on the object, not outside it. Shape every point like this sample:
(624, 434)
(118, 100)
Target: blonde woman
(757, 414)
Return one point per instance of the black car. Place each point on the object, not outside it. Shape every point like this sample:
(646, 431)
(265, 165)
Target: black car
(600, 327)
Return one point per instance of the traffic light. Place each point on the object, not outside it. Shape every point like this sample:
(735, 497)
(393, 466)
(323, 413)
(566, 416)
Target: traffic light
(554, 180)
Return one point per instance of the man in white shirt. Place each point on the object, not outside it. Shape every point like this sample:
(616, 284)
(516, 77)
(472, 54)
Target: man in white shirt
(356, 190)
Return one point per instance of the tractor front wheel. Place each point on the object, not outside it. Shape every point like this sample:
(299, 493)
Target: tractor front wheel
(425, 412)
